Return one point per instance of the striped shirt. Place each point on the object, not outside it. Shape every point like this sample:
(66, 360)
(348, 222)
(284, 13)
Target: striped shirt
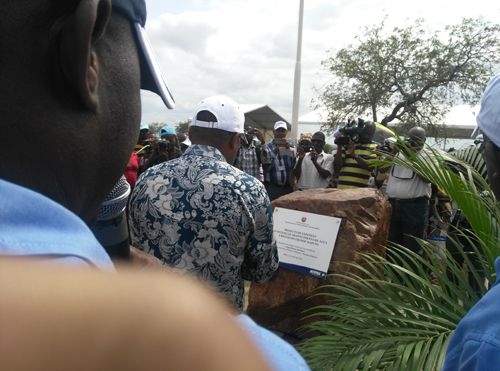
(278, 167)
(352, 175)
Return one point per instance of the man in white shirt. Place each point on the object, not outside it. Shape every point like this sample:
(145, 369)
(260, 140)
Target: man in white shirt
(314, 167)
(409, 196)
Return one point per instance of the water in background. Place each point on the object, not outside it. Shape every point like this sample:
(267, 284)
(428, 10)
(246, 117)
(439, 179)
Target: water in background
(446, 144)
(439, 143)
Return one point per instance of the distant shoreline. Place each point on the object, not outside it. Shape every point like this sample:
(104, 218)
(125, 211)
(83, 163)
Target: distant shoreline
(445, 144)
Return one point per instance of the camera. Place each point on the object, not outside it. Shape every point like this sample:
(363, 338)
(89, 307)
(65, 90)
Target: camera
(386, 147)
(409, 142)
(305, 146)
(249, 131)
(248, 135)
(350, 132)
(281, 142)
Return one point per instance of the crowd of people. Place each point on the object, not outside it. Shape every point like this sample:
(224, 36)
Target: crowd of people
(199, 214)
(72, 81)
(189, 210)
(282, 168)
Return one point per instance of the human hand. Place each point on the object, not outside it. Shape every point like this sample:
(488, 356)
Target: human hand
(351, 148)
(314, 156)
(300, 153)
(259, 135)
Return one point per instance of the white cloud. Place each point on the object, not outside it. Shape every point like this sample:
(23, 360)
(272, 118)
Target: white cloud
(247, 49)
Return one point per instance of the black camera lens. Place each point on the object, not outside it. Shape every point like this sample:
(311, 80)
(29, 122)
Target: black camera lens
(342, 141)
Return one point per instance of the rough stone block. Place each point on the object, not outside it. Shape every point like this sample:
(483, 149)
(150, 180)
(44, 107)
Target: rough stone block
(278, 303)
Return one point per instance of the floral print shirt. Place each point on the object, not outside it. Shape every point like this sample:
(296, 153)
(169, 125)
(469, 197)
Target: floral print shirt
(201, 215)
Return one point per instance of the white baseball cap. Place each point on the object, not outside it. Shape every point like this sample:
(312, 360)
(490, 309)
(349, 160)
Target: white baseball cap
(488, 118)
(280, 125)
(228, 113)
(151, 76)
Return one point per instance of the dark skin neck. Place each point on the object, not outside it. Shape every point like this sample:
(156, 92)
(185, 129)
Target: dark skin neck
(228, 147)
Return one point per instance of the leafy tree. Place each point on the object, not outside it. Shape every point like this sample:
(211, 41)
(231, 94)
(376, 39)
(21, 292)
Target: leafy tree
(155, 127)
(328, 148)
(410, 74)
(182, 127)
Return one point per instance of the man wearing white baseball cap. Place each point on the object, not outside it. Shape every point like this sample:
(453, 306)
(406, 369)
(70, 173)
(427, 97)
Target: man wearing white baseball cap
(201, 215)
(278, 162)
(205, 217)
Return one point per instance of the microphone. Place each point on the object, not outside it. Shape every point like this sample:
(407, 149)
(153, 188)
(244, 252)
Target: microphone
(111, 228)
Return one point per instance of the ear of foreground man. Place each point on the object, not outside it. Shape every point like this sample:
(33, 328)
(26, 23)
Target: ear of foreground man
(56, 318)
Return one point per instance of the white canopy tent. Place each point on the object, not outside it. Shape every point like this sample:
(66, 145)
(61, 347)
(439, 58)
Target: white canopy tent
(311, 122)
(262, 116)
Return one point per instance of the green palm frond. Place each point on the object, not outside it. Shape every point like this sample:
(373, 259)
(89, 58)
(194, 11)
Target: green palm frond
(385, 316)
(394, 318)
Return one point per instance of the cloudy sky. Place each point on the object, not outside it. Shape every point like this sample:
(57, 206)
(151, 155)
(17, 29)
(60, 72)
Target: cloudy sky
(247, 49)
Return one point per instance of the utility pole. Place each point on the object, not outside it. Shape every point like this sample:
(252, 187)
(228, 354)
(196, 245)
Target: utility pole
(296, 79)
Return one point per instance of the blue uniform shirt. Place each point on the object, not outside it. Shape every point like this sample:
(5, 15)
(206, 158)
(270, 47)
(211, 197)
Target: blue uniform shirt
(279, 354)
(475, 344)
(33, 225)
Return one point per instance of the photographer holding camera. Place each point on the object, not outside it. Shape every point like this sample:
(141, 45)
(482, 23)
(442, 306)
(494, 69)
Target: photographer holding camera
(248, 156)
(278, 160)
(355, 147)
(314, 167)
(172, 145)
(167, 148)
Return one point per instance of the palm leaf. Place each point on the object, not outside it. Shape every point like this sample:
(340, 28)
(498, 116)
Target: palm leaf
(395, 317)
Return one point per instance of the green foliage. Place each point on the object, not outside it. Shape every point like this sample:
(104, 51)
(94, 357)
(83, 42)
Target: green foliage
(401, 317)
(328, 148)
(409, 74)
(182, 127)
(155, 127)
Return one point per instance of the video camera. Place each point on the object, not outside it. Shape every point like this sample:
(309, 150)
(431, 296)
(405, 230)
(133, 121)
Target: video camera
(350, 132)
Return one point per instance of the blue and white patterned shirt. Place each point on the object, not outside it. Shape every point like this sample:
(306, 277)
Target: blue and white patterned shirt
(201, 215)
(278, 168)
